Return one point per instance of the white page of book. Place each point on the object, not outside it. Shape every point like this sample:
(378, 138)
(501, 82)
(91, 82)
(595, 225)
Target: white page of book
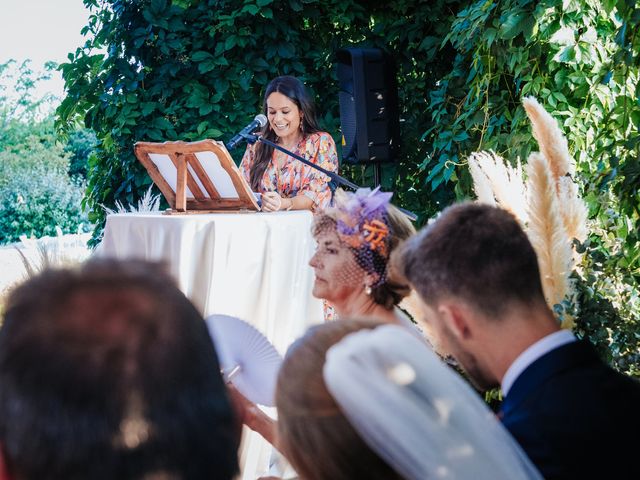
(168, 170)
(217, 174)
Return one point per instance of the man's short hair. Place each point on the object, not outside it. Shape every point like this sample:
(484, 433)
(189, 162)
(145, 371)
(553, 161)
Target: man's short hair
(474, 252)
(108, 372)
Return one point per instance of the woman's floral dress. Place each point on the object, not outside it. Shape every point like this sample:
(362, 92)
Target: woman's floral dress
(295, 178)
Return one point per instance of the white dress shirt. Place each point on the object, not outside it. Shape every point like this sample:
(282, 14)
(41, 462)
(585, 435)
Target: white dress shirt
(531, 354)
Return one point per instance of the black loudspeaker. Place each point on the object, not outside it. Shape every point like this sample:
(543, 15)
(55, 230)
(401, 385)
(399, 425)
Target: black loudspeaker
(368, 105)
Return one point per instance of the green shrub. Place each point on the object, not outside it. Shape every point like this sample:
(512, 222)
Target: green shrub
(31, 155)
(79, 146)
(36, 194)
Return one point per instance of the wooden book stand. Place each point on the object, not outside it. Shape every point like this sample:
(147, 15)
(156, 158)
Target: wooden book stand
(196, 176)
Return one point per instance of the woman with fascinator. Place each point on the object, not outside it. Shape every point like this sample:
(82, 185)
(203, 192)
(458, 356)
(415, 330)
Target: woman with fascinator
(284, 182)
(354, 240)
(351, 263)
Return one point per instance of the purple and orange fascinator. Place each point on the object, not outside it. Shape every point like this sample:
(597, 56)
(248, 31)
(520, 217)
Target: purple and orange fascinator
(361, 221)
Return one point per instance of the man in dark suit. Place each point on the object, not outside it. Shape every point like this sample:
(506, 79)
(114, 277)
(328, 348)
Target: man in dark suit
(477, 276)
(108, 372)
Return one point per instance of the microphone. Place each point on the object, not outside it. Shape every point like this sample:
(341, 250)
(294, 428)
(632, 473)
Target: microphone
(259, 121)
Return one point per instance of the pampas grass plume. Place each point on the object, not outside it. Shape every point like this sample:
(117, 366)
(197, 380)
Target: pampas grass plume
(546, 231)
(574, 211)
(481, 183)
(496, 182)
(548, 205)
(553, 144)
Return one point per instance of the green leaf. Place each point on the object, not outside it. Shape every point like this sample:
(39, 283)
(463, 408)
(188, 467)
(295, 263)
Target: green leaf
(202, 126)
(250, 9)
(512, 26)
(201, 55)
(566, 55)
(560, 96)
(162, 123)
(260, 64)
(221, 85)
(158, 5)
(213, 133)
(286, 50)
(207, 66)
(295, 5)
(205, 109)
(460, 136)
(490, 36)
(230, 42)
(434, 171)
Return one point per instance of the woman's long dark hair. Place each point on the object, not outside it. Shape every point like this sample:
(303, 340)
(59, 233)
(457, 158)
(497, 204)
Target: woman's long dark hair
(294, 90)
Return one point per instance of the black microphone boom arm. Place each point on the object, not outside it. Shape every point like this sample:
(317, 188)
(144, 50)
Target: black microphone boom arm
(336, 180)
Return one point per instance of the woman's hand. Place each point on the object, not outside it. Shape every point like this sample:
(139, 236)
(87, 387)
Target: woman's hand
(251, 415)
(272, 202)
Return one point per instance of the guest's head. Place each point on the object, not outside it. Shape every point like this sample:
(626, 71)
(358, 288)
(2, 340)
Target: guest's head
(477, 276)
(354, 240)
(108, 371)
(313, 433)
(291, 115)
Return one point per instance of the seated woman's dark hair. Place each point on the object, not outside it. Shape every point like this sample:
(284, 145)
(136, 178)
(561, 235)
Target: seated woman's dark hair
(294, 90)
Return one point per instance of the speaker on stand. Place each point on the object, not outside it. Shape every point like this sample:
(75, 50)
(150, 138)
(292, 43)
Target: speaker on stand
(369, 115)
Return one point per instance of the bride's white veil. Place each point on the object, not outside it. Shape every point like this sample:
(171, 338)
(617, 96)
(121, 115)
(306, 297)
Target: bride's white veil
(416, 413)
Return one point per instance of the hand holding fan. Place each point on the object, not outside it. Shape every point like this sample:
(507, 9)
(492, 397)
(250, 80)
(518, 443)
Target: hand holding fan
(246, 357)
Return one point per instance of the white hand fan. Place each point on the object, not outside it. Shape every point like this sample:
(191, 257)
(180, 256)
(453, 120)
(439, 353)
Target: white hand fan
(246, 357)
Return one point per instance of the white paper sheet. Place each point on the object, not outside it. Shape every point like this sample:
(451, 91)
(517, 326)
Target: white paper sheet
(218, 175)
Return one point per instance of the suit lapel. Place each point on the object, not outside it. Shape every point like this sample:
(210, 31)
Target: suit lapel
(552, 363)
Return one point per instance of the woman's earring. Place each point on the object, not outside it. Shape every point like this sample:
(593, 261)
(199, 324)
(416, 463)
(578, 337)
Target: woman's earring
(367, 289)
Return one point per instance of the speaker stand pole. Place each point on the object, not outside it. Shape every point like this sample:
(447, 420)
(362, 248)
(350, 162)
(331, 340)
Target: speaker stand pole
(377, 173)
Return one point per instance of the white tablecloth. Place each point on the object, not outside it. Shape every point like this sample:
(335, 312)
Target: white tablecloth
(250, 265)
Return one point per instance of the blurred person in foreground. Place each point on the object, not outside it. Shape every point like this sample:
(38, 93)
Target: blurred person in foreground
(360, 399)
(354, 240)
(108, 372)
(477, 277)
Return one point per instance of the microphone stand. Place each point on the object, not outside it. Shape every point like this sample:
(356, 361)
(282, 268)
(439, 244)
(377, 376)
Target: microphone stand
(336, 179)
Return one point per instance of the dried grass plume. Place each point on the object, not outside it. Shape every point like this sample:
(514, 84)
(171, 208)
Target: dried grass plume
(497, 183)
(548, 204)
(553, 144)
(546, 231)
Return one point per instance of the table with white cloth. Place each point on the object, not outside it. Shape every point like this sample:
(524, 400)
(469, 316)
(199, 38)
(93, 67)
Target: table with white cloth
(250, 265)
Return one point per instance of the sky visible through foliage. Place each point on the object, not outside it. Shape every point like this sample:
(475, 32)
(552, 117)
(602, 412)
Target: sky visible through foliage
(42, 31)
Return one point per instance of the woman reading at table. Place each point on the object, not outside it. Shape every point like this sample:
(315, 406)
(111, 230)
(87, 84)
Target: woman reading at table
(284, 182)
